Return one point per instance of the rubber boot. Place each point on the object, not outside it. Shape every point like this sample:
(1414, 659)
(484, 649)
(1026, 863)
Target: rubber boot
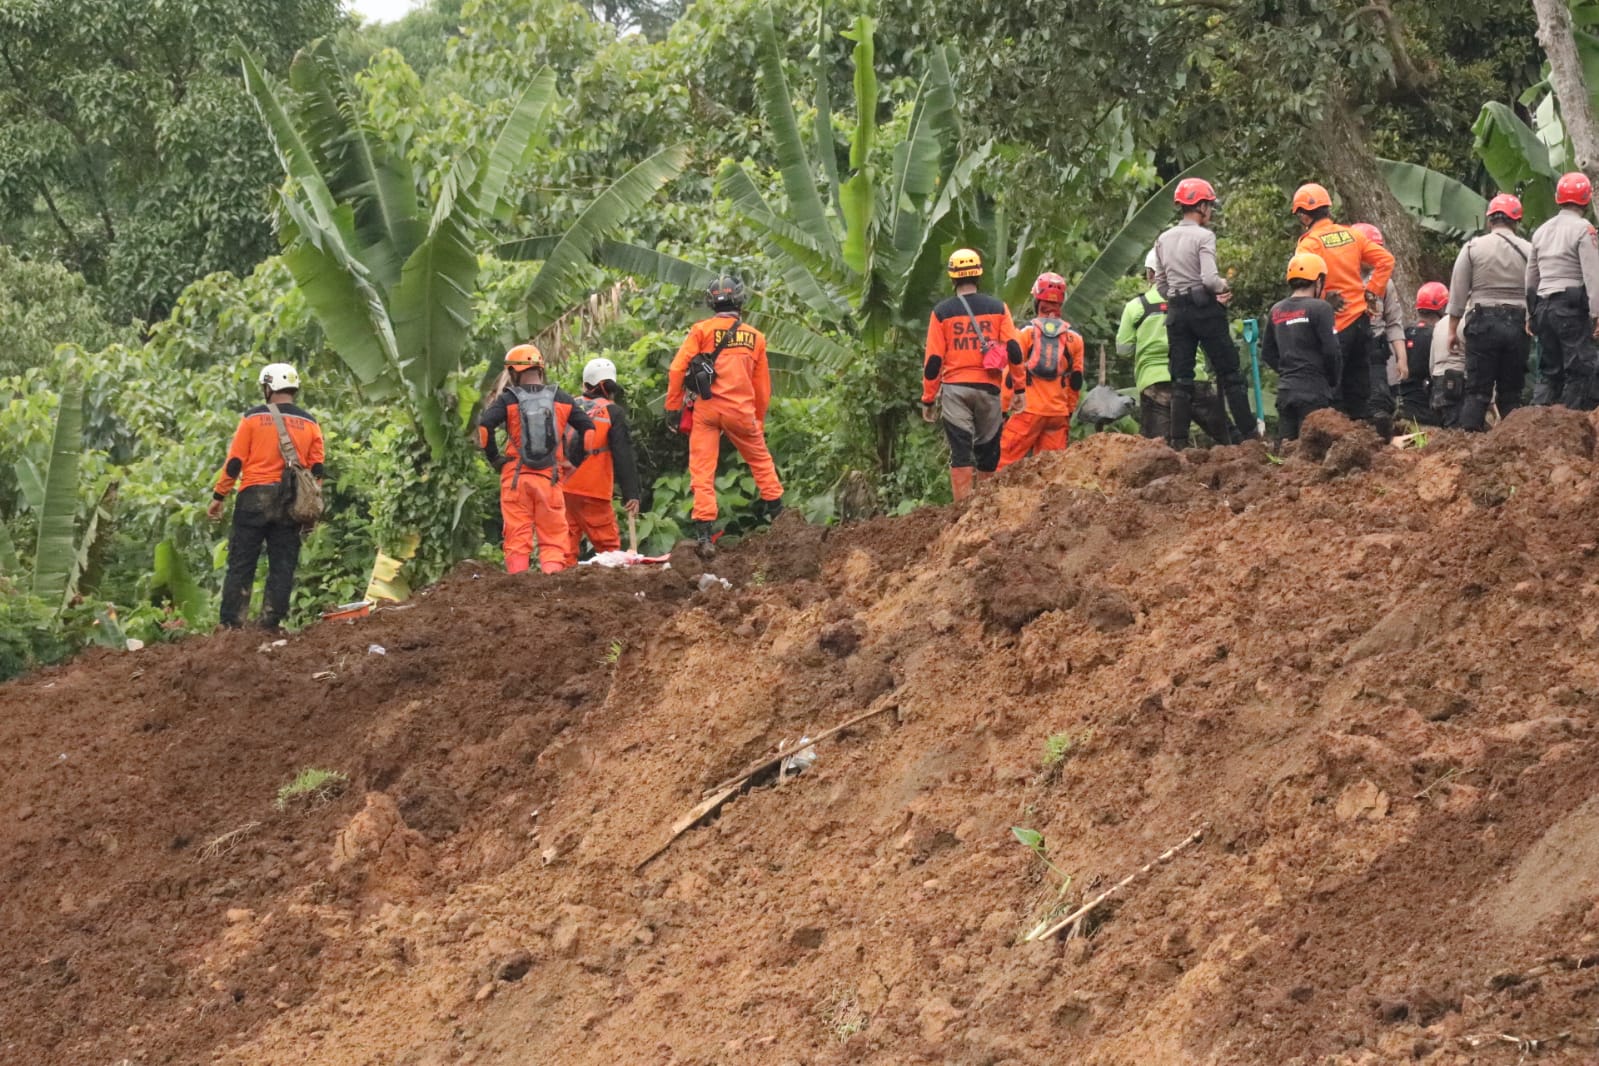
(553, 567)
(516, 562)
(960, 482)
(704, 538)
(1474, 414)
(1182, 410)
(1243, 417)
(769, 509)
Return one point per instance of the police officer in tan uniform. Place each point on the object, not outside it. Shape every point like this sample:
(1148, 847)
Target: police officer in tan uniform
(1486, 290)
(1562, 281)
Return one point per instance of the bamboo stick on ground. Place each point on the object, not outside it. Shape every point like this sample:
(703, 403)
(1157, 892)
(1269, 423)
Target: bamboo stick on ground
(1083, 911)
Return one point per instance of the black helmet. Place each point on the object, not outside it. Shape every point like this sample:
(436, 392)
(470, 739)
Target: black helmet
(726, 293)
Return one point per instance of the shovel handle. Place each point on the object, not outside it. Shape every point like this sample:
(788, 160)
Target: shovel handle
(632, 533)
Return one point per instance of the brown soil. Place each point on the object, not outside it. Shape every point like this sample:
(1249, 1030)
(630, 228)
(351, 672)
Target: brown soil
(1367, 672)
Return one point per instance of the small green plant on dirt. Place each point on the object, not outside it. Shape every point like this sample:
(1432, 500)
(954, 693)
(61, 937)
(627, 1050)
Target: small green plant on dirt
(758, 579)
(1057, 748)
(1417, 440)
(842, 1015)
(1274, 460)
(613, 653)
(1054, 902)
(312, 788)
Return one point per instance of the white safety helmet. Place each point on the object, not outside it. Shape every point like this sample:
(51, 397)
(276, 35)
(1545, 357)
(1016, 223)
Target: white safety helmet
(1150, 262)
(598, 370)
(280, 377)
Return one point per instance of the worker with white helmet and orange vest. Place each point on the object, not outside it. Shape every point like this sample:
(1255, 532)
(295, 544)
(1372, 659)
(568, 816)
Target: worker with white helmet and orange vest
(267, 435)
(1562, 286)
(608, 463)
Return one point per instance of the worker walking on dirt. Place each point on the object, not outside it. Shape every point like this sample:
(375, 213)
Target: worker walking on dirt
(1387, 325)
(1416, 384)
(1301, 346)
(256, 464)
(971, 343)
(607, 464)
(1141, 336)
(719, 384)
(1197, 297)
(1352, 296)
(1049, 380)
(536, 416)
(1488, 291)
(1562, 283)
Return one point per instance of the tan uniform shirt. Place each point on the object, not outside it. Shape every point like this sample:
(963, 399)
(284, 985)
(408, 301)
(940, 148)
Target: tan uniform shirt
(1565, 254)
(1185, 259)
(1490, 269)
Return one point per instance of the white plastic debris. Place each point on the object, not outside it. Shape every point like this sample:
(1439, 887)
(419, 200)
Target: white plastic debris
(801, 760)
(376, 649)
(612, 559)
(135, 644)
(710, 581)
(274, 644)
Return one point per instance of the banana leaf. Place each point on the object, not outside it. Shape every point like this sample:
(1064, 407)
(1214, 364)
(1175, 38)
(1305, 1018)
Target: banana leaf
(799, 177)
(172, 575)
(10, 565)
(55, 555)
(1439, 202)
(1516, 157)
(857, 194)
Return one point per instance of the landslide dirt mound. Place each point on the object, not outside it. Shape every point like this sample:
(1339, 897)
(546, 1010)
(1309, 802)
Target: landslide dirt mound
(1366, 673)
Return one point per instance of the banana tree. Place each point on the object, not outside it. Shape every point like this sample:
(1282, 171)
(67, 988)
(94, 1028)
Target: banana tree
(389, 275)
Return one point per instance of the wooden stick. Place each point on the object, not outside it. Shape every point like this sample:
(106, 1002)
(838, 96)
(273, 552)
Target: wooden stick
(719, 795)
(632, 532)
(1083, 911)
(756, 767)
(1102, 364)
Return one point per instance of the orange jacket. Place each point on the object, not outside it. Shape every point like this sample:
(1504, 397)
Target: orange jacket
(1344, 250)
(254, 457)
(1056, 396)
(504, 412)
(954, 353)
(743, 381)
(608, 453)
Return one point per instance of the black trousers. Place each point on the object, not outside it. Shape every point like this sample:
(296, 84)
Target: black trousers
(1189, 329)
(1208, 412)
(1355, 344)
(257, 523)
(1496, 363)
(1570, 359)
(1290, 416)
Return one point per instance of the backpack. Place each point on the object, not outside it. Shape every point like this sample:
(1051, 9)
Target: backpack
(299, 495)
(1049, 344)
(702, 368)
(541, 445)
(1149, 309)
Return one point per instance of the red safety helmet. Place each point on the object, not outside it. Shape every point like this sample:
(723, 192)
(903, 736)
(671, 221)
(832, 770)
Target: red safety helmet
(1574, 188)
(1433, 296)
(1193, 191)
(1507, 205)
(1050, 288)
(1310, 196)
(1367, 230)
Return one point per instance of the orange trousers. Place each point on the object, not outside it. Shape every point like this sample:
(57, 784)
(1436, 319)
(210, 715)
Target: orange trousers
(532, 504)
(1027, 432)
(705, 444)
(592, 517)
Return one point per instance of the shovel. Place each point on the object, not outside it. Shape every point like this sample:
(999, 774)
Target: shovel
(632, 532)
(1252, 338)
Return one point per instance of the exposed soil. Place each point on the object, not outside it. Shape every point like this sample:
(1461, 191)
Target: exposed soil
(1368, 673)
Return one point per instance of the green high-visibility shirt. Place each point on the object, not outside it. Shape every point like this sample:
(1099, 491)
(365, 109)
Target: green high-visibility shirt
(1142, 335)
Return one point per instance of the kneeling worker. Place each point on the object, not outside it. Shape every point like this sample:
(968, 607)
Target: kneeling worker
(720, 372)
(1051, 378)
(608, 461)
(535, 416)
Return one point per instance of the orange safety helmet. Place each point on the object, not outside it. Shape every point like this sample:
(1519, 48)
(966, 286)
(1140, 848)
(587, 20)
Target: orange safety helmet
(1505, 204)
(1574, 188)
(1193, 191)
(1367, 230)
(1050, 288)
(1306, 266)
(1310, 196)
(1433, 296)
(524, 357)
(965, 263)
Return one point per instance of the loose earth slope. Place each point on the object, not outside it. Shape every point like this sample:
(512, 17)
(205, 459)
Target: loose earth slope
(1367, 674)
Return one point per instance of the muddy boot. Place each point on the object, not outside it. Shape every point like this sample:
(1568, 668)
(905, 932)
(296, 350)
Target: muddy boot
(1182, 409)
(1474, 414)
(960, 482)
(705, 539)
(768, 510)
(1243, 417)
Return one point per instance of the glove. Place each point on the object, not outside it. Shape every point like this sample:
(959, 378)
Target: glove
(1372, 302)
(1335, 300)
(928, 414)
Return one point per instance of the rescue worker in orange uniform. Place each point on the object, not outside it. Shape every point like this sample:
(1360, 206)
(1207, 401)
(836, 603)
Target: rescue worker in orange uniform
(608, 460)
(535, 416)
(255, 465)
(719, 384)
(1049, 380)
(1345, 251)
(971, 345)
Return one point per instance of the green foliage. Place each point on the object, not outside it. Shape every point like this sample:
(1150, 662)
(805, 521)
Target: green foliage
(41, 305)
(312, 787)
(1057, 747)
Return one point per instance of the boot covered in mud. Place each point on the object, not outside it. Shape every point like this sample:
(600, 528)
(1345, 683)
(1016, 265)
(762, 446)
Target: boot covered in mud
(1182, 410)
(768, 510)
(1243, 427)
(705, 538)
(960, 482)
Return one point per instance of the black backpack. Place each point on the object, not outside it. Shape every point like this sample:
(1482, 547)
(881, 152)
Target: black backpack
(1049, 344)
(702, 368)
(541, 445)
